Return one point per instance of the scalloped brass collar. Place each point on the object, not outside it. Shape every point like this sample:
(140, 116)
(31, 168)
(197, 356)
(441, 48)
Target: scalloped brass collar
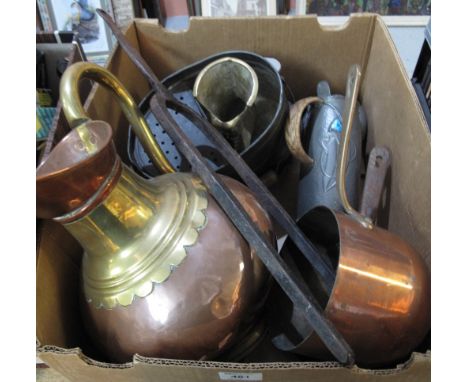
(138, 235)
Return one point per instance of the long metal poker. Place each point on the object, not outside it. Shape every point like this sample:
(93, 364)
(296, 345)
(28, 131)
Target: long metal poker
(302, 299)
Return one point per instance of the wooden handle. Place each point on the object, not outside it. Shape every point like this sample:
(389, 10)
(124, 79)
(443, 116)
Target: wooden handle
(293, 129)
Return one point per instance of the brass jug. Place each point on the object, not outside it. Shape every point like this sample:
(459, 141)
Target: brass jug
(227, 89)
(165, 273)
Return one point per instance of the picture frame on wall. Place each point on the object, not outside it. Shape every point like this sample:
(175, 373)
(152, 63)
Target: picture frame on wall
(382, 7)
(226, 8)
(395, 13)
(44, 15)
(125, 11)
(39, 23)
(80, 16)
(197, 7)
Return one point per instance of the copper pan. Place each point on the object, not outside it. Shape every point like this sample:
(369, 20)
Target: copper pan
(380, 301)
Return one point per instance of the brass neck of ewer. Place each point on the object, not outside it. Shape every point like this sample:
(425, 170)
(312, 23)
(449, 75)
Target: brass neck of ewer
(138, 234)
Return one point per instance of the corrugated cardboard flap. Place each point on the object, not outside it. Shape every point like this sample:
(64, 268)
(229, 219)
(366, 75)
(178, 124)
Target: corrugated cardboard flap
(77, 366)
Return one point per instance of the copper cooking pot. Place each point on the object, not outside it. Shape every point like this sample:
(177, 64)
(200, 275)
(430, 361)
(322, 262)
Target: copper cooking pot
(165, 273)
(380, 301)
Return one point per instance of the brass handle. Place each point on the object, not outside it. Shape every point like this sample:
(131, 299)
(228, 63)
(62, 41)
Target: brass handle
(352, 89)
(76, 115)
(292, 130)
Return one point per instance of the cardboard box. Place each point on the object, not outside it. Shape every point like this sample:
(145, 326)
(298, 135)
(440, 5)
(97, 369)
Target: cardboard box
(308, 53)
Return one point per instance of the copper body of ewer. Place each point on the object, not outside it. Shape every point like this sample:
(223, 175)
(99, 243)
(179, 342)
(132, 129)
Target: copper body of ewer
(380, 300)
(165, 273)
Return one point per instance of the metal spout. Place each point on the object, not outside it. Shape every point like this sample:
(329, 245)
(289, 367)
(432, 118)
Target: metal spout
(82, 165)
(227, 88)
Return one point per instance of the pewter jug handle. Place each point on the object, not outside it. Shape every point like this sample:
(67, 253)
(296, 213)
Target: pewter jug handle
(76, 115)
(292, 131)
(352, 90)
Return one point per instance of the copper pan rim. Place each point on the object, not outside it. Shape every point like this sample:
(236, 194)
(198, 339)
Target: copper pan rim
(336, 228)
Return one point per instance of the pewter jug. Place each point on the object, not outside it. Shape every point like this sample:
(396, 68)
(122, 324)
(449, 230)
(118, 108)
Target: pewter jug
(317, 185)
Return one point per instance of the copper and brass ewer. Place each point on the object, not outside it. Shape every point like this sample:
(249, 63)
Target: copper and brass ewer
(165, 273)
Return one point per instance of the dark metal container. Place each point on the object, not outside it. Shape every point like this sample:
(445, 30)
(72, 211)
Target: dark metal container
(270, 109)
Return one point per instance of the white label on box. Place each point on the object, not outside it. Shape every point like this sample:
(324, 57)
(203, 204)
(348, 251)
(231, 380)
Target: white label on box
(234, 376)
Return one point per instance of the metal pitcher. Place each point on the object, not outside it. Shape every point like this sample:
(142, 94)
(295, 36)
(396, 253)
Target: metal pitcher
(165, 272)
(317, 187)
(227, 89)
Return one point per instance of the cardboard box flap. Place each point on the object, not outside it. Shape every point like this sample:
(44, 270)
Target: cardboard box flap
(75, 365)
(394, 121)
(300, 41)
(58, 262)
(291, 40)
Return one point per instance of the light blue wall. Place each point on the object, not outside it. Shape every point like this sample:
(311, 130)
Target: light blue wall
(408, 41)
